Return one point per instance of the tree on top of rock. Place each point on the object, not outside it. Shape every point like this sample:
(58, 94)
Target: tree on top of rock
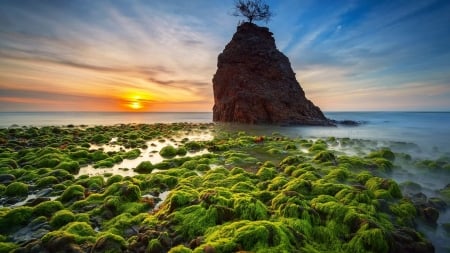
(253, 10)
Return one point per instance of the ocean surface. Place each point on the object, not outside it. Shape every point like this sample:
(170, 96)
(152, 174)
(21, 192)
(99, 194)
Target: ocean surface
(430, 130)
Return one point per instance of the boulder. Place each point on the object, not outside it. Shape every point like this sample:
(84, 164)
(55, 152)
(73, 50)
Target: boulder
(255, 84)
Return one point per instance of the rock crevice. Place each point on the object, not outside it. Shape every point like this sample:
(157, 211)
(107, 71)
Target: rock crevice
(255, 84)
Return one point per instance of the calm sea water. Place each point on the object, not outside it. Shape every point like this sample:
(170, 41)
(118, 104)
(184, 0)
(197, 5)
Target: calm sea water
(430, 130)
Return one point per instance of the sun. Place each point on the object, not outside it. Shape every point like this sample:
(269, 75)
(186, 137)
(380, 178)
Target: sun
(135, 105)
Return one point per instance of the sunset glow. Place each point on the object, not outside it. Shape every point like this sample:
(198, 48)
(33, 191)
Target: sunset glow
(347, 55)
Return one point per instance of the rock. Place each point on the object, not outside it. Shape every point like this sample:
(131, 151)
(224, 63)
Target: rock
(255, 83)
(36, 201)
(430, 214)
(406, 240)
(6, 178)
(437, 203)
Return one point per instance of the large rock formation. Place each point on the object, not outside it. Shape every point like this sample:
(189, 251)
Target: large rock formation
(255, 83)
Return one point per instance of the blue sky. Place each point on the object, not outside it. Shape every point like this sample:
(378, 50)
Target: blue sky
(161, 55)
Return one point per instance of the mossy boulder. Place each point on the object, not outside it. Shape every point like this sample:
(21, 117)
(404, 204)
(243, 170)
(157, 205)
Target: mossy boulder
(11, 219)
(168, 151)
(61, 218)
(73, 193)
(70, 166)
(47, 208)
(16, 189)
(109, 243)
(144, 167)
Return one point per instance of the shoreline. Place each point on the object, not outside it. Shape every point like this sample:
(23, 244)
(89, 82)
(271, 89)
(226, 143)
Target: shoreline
(272, 188)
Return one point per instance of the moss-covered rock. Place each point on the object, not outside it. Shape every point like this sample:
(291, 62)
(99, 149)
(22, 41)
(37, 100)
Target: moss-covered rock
(16, 189)
(168, 151)
(73, 193)
(144, 167)
(61, 218)
(47, 208)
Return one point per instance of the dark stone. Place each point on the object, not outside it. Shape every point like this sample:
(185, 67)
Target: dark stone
(430, 214)
(255, 84)
(7, 178)
(36, 201)
(406, 240)
(437, 203)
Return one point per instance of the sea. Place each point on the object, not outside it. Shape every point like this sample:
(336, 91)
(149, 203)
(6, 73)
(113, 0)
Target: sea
(429, 130)
(423, 135)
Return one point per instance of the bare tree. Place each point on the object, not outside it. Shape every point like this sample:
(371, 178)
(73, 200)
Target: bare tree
(253, 10)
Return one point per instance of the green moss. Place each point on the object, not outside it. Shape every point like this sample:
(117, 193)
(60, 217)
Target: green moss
(180, 198)
(73, 193)
(292, 160)
(132, 154)
(61, 218)
(370, 240)
(376, 183)
(249, 208)
(255, 236)
(6, 247)
(181, 151)
(144, 167)
(168, 151)
(16, 189)
(382, 153)
(70, 166)
(299, 185)
(154, 245)
(243, 187)
(81, 231)
(193, 221)
(118, 224)
(180, 249)
(114, 179)
(277, 183)
(47, 208)
(318, 146)
(98, 155)
(405, 212)
(266, 173)
(10, 219)
(193, 146)
(110, 243)
(47, 181)
(325, 156)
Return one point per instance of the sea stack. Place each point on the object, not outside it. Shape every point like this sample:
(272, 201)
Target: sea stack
(255, 83)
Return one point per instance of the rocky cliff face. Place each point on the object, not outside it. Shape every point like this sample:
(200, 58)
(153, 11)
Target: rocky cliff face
(255, 83)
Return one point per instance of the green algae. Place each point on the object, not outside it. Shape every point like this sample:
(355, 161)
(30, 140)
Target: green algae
(73, 193)
(16, 189)
(253, 193)
(47, 208)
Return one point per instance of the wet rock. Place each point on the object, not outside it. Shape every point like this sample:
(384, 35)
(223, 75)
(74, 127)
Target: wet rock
(255, 83)
(406, 240)
(36, 201)
(437, 203)
(419, 199)
(7, 178)
(430, 214)
(109, 243)
(196, 242)
(32, 231)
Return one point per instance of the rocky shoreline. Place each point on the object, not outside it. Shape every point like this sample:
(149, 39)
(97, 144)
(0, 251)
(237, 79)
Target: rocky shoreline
(232, 192)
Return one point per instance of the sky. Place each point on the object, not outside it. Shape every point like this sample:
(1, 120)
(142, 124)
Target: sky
(154, 55)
